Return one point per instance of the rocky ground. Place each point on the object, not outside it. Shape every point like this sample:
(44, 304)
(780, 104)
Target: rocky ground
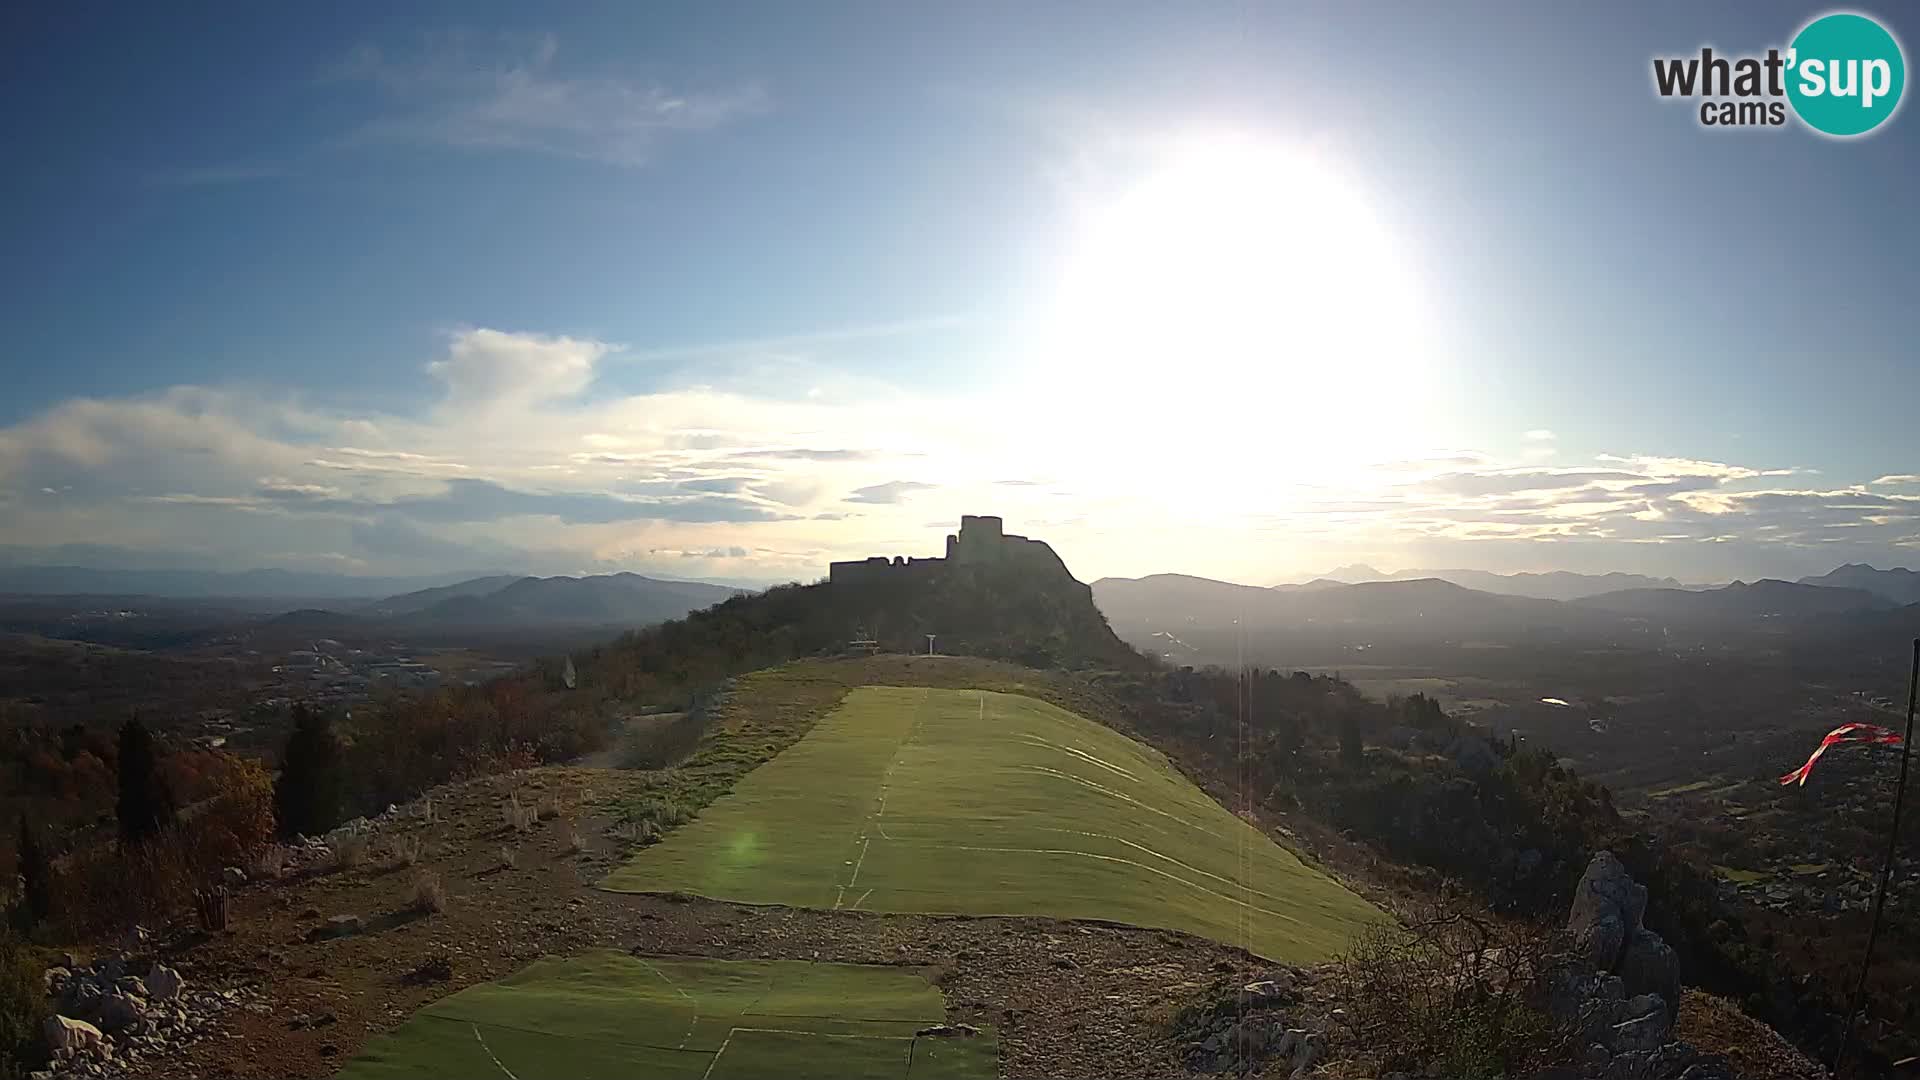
(320, 957)
(314, 963)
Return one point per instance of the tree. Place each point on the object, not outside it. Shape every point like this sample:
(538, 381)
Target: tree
(307, 795)
(146, 803)
(37, 870)
(1350, 744)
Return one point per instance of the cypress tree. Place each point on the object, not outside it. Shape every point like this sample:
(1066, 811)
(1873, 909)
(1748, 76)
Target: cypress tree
(308, 793)
(145, 806)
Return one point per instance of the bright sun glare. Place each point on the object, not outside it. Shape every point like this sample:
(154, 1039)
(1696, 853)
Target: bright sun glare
(1235, 276)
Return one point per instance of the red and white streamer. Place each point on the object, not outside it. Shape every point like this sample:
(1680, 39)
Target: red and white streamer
(1862, 733)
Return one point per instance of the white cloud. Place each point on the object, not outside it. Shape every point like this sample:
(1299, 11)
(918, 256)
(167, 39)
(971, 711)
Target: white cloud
(489, 369)
(527, 462)
(1539, 435)
(499, 95)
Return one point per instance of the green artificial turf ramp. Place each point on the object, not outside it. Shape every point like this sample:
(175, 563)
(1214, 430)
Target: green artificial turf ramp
(613, 1016)
(977, 803)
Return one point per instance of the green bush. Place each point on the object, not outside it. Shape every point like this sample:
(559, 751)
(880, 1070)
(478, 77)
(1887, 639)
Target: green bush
(23, 1008)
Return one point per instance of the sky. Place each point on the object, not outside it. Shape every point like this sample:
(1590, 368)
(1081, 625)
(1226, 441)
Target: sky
(727, 291)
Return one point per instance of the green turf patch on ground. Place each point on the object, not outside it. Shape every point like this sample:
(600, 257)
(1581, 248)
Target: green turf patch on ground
(978, 803)
(607, 1014)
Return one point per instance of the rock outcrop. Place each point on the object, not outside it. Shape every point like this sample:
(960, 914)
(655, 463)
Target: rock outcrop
(1622, 992)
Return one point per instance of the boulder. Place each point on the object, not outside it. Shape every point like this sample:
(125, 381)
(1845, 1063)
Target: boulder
(1607, 908)
(119, 1012)
(1648, 966)
(164, 983)
(55, 979)
(1642, 1031)
(82, 998)
(64, 1034)
(233, 877)
(338, 926)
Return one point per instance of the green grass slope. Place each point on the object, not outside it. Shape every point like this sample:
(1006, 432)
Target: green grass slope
(609, 1015)
(978, 803)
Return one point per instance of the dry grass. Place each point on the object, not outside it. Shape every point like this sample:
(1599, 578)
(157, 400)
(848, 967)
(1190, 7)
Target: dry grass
(406, 851)
(519, 818)
(429, 893)
(269, 863)
(509, 856)
(575, 844)
(350, 852)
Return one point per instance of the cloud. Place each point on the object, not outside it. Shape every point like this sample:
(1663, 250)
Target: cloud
(526, 459)
(474, 500)
(219, 175)
(1894, 479)
(488, 369)
(1675, 466)
(513, 96)
(1539, 435)
(1500, 482)
(811, 455)
(888, 493)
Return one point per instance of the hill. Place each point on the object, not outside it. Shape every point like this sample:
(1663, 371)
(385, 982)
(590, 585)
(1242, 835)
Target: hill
(422, 599)
(1765, 599)
(1900, 585)
(1427, 606)
(597, 600)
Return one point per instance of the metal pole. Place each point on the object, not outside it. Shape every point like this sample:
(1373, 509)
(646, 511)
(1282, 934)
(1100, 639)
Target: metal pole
(1886, 872)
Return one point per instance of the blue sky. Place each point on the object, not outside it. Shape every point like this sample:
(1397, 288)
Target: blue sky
(645, 287)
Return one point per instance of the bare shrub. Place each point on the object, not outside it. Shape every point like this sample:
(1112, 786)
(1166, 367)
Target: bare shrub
(427, 811)
(429, 893)
(350, 851)
(519, 818)
(575, 844)
(269, 863)
(509, 856)
(1457, 995)
(406, 851)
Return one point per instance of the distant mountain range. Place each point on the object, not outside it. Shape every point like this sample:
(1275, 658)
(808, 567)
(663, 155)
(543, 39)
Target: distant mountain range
(206, 584)
(500, 600)
(1900, 585)
(1220, 620)
(1741, 600)
(1554, 585)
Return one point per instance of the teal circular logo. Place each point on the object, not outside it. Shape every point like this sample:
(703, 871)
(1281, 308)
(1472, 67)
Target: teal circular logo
(1845, 74)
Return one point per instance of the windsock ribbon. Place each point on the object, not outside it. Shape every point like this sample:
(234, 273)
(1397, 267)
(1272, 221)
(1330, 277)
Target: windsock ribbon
(1866, 733)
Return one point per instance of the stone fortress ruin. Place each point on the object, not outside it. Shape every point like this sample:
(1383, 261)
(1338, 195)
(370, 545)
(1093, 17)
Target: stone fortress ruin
(981, 542)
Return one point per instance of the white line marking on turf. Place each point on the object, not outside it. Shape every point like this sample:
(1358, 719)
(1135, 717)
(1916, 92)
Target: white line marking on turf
(824, 1034)
(1126, 862)
(855, 879)
(717, 1053)
(477, 1037)
(1035, 740)
(664, 977)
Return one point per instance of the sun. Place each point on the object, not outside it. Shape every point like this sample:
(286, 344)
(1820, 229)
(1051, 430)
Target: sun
(1241, 291)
